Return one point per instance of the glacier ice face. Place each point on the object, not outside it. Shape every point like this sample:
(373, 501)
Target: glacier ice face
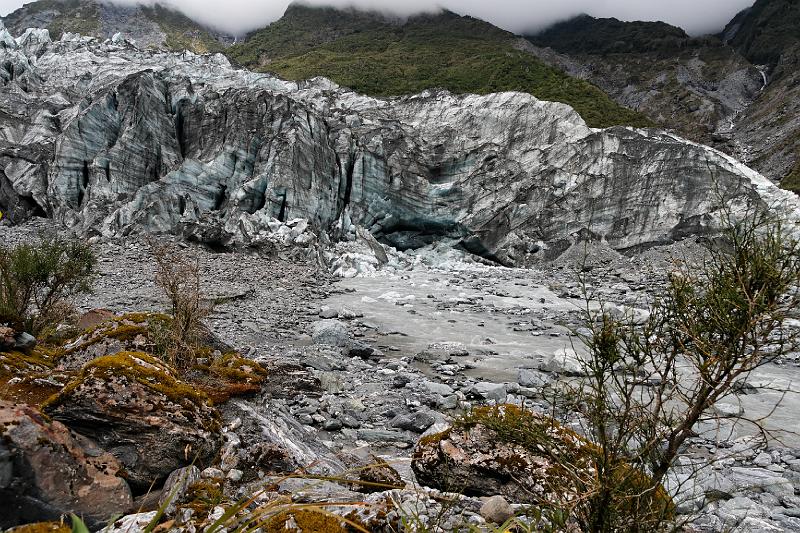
(111, 139)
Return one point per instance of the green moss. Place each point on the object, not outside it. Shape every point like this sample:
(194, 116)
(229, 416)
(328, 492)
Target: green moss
(306, 520)
(203, 495)
(41, 358)
(42, 527)
(234, 367)
(141, 368)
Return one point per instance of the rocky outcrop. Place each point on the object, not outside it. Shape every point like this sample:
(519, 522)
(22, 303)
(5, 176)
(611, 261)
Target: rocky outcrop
(110, 139)
(45, 472)
(527, 458)
(133, 405)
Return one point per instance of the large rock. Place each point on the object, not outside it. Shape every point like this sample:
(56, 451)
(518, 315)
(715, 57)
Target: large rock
(532, 460)
(45, 472)
(135, 406)
(112, 139)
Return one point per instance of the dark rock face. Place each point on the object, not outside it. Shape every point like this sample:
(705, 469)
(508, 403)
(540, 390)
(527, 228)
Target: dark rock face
(134, 407)
(45, 472)
(139, 140)
(478, 463)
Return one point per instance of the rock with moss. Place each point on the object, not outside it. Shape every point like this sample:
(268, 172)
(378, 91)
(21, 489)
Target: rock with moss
(129, 332)
(526, 458)
(45, 472)
(42, 527)
(135, 406)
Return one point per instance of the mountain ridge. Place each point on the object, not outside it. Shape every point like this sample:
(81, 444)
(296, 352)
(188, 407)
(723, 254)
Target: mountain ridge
(384, 57)
(153, 25)
(736, 91)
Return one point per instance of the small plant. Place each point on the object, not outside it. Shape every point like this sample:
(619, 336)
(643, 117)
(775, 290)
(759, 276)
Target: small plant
(178, 338)
(38, 282)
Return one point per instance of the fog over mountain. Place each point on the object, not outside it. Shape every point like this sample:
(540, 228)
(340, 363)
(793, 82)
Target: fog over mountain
(240, 16)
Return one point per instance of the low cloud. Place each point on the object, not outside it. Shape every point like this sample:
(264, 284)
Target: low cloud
(240, 16)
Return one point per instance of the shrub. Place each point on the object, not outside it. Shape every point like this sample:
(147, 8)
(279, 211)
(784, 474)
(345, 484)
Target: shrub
(647, 386)
(178, 338)
(38, 281)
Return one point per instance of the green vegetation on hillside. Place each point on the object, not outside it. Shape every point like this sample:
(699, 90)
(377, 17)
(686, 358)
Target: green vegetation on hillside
(385, 58)
(588, 35)
(766, 30)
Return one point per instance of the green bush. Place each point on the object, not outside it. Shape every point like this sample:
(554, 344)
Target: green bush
(37, 282)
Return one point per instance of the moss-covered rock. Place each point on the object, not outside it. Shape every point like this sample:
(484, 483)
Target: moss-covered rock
(528, 458)
(135, 406)
(304, 521)
(42, 527)
(129, 332)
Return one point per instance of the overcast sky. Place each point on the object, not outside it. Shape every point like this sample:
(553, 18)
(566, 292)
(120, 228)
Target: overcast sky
(695, 16)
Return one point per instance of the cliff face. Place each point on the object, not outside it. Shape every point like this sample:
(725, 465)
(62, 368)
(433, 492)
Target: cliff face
(112, 139)
(736, 91)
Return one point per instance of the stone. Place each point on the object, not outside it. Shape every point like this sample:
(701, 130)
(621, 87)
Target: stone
(94, 318)
(744, 478)
(45, 471)
(176, 487)
(360, 349)
(328, 312)
(496, 510)
(728, 410)
(24, 342)
(532, 379)
(130, 523)
(332, 424)
(7, 341)
(437, 388)
(134, 406)
(564, 362)
(377, 475)
(212, 473)
(331, 333)
(484, 390)
(417, 422)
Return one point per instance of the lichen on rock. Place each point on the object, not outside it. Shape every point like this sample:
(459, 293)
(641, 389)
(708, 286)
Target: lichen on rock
(527, 458)
(135, 406)
(85, 481)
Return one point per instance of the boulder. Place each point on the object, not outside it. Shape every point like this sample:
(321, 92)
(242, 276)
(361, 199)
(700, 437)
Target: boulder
(136, 407)
(485, 390)
(378, 476)
(520, 455)
(45, 472)
(532, 379)
(109, 336)
(497, 510)
(332, 333)
(565, 362)
(417, 422)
